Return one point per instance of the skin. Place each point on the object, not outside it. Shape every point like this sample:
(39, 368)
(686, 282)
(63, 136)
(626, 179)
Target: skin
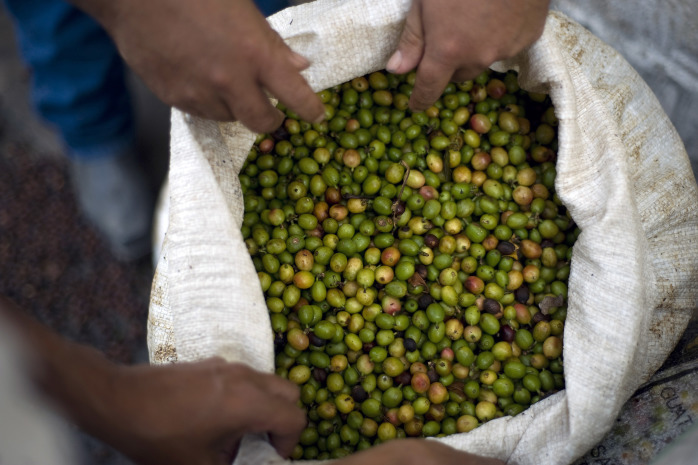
(455, 40)
(415, 452)
(188, 413)
(219, 59)
(216, 59)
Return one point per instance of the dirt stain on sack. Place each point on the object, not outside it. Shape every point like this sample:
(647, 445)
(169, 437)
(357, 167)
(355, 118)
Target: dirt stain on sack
(156, 292)
(669, 319)
(165, 353)
(569, 36)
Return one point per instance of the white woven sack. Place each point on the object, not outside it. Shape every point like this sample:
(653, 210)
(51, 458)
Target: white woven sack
(622, 172)
(660, 40)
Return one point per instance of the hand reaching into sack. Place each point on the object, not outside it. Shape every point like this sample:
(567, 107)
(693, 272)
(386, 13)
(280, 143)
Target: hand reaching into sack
(197, 413)
(455, 40)
(415, 452)
(219, 59)
(212, 58)
(188, 413)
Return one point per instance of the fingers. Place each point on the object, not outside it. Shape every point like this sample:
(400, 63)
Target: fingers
(265, 403)
(411, 46)
(283, 420)
(299, 61)
(416, 451)
(283, 435)
(253, 109)
(277, 386)
(284, 81)
(465, 74)
(285, 442)
(432, 78)
(453, 40)
(413, 52)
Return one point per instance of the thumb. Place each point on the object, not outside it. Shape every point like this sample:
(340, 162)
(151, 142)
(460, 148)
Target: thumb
(411, 46)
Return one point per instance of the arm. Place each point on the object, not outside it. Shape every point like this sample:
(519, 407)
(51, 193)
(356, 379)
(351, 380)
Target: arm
(455, 40)
(180, 414)
(211, 58)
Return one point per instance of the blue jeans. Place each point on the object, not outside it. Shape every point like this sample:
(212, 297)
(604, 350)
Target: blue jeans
(78, 78)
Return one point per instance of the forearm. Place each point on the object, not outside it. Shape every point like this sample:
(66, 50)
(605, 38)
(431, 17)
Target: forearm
(73, 377)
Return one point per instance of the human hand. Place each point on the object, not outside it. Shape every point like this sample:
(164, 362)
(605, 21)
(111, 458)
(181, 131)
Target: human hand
(197, 413)
(211, 58)
(455, 40)
(415, 452)
(188, 413)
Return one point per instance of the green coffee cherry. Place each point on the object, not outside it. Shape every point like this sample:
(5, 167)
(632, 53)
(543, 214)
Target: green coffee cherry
(414, 265)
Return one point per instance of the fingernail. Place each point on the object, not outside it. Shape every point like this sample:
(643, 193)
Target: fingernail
(319, 119)
(394, 62)
(299, 61)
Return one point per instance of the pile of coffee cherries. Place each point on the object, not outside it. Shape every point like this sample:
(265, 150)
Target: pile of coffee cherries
(414, 264)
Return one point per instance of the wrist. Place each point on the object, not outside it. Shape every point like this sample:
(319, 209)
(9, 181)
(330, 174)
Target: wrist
(79, 381)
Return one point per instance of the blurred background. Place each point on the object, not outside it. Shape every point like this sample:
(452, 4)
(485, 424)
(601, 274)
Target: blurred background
(55, 265)
(52, 262)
